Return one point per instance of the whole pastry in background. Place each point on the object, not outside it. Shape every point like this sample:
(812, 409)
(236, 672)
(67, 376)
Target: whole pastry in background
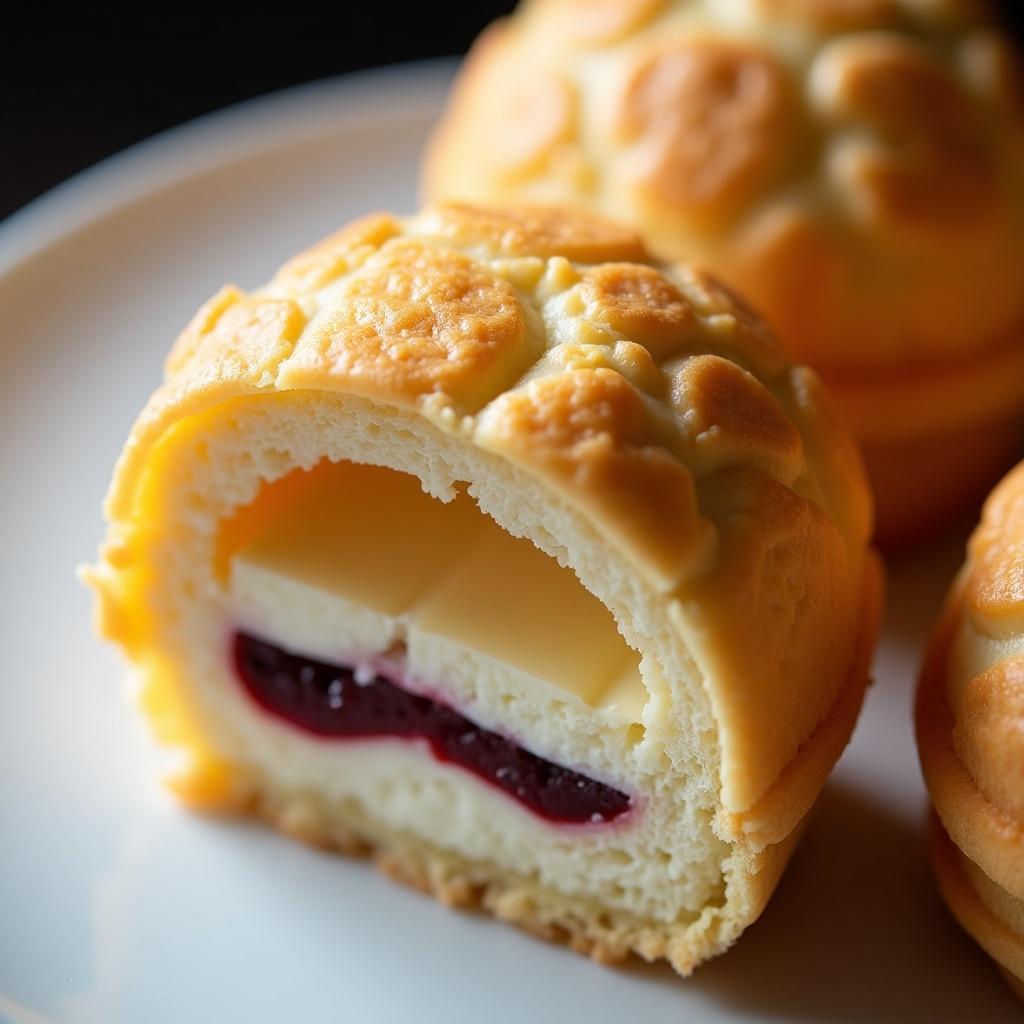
(855, 168)
(481, 542)
(970, 733)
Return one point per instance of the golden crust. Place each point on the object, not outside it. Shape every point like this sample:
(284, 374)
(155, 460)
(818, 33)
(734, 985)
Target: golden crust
(527, 114)
(970, 731)
(255, 332)
(586, 431)
(415, 320)
(852, 166)
(941, 177)
(526, 138)
(732, 419)
(532, 231)
(704, 126)
(988, 734)
(640, 303)
(339, 253)
(590, 22)
(800, 568)
(998, 937)
(995, 586)
(834, 14)
(990, 835)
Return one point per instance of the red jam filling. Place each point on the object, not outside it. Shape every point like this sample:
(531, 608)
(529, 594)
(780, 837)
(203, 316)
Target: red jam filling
(328, 701)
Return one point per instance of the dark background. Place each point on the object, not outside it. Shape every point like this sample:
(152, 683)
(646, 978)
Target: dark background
(76, 87)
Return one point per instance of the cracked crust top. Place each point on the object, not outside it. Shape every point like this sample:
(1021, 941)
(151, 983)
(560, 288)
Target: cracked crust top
(541, 336)
(813, 152)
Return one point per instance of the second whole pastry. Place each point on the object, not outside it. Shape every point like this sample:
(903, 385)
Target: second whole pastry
(854, 167)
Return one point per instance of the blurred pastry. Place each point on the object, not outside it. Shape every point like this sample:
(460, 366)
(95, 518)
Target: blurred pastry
(970, 733)
(481, 542)
(855, 168)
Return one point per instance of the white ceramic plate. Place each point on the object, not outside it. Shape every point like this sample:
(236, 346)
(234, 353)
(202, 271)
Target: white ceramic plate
(118, 906)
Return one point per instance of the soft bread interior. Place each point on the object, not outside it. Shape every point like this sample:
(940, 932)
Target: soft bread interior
(227, 548)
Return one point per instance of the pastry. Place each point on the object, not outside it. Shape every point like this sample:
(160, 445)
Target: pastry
(855, 168)
(479, 542)
(970, 734)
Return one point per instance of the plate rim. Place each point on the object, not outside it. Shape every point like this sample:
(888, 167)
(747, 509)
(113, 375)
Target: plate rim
(240, 131)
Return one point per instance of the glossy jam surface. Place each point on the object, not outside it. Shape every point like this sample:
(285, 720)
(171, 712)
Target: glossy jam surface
(329, 701)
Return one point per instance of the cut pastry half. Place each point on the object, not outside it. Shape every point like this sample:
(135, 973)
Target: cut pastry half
(479, 542)
(970, 734)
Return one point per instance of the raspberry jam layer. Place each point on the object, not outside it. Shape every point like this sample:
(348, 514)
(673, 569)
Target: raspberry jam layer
(327, 700)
